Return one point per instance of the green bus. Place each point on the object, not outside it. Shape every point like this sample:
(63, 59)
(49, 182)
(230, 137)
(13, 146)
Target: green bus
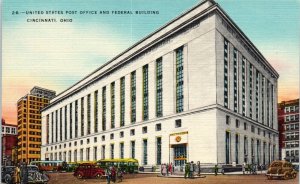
(128, 165)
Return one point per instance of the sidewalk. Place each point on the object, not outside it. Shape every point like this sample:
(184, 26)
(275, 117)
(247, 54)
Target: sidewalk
(203, 174)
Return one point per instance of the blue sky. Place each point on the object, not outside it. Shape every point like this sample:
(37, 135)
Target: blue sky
(56, 55)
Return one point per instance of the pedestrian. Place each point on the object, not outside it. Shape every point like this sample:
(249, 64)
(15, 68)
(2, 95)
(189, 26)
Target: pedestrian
(243, 167)
(170, 168)
(167, 168)
(164, 169)
(199, 169)
(113, 174)
(216, 170)
(186, 170)
(108, 174)
(17, 178)
(192, 169)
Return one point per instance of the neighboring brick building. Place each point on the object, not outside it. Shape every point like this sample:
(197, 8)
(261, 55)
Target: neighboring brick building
(9, 141)
(288, 122)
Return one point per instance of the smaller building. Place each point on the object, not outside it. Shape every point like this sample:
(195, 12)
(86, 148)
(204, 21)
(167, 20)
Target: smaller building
(9, 141)
(288, 121)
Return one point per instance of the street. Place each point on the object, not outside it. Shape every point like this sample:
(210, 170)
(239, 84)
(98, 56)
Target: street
(68, 178)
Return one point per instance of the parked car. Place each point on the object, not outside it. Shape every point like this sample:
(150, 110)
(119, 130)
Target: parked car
(281, 169)
(88, 170)
(7, 174)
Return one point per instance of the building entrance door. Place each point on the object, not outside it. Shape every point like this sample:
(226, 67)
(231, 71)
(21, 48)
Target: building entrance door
(180, 155)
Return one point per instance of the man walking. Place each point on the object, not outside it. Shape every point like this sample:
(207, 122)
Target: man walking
(192, 169)
(186, 170)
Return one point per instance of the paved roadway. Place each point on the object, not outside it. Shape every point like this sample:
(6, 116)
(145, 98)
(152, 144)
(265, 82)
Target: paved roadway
(68, 178)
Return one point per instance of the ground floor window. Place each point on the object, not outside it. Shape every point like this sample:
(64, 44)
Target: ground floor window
(227, 147)
(112, 151)
(122, 150)
(103, 152)
(70, 156)
(245, 149)
(252, 151)
(145, 152)
(258, 151)
(132, 149)
(75, 156)
(237, 148)
(264, 153)
(95, 153)
(81, 154)
(158, 150)
(88, 154)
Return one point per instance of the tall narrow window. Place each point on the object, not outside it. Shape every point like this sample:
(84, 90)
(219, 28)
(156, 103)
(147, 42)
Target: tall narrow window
(76, 117)
(71, 122)
(112, 151)
(81, 154)
(258, 151)
(96, 111)
(263, 99)
(133, 96)
(104, 108)
(257, 95)
(122, 150)
(56, 125)
(145, 92)
(132, 149)
(268, 103)
(250, 88)
(66, 123)
(264, 153)
(158, 150)
(252, 151)
(47, 129)
(272, 105)
(70, 156)
(52, 127)
(226, 79)
(145, 152)
(245, 149)
(179, 80)
(60, 124)
(82, 116)
(237, 145)
(112, 106)
(235, 80)
(122, 102)
(75, 156)
(227, 147)
(87, 154)
(89, 114)
(244, 86)
(159, 89)
(103, 152)
(95, 153)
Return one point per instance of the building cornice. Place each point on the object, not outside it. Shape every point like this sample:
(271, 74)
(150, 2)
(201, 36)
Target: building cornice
(151, 43)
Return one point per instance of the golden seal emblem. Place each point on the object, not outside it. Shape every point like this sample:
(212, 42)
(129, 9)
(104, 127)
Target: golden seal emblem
(178, 139)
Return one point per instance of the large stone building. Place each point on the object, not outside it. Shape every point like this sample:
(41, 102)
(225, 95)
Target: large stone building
(288, 121)
(196, 89)
(29, 123)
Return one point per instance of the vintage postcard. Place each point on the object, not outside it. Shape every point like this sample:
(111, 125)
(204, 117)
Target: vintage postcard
(136, 91)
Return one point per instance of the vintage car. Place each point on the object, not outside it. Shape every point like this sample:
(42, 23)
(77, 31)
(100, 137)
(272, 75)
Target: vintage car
(7, 173)
(281, 169)
(88, 170)
(34, 175)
